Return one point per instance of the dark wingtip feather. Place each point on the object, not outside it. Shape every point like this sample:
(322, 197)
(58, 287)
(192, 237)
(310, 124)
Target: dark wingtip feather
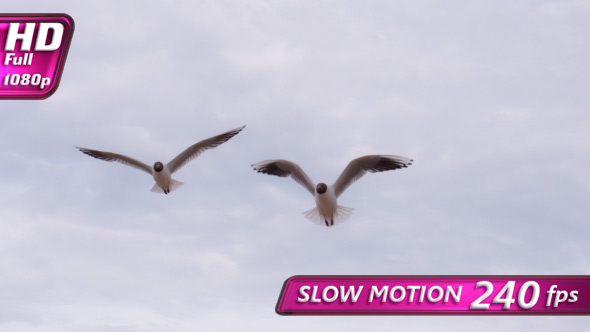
(95, 154)
(222, 138)
(271, 169)
(387, 164)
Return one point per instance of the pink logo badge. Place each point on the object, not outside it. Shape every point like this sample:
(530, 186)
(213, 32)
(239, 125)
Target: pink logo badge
(33, 54)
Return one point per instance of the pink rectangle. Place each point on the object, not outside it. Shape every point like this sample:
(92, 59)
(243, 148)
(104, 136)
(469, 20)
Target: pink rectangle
(33, 51)
(435, 295)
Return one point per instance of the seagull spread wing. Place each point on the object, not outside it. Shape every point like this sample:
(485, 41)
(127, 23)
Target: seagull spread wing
(374, 163)
(109, 156)
(284, 168)
(196, 149)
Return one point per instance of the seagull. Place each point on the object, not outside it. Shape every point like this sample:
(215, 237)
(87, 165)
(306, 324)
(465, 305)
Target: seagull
(162, 173)
(327, 210)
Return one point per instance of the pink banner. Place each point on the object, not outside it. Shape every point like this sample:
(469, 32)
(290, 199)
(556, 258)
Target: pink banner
(435, 295)
(33, 53)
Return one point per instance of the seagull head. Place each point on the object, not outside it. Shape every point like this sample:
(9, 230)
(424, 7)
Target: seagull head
(158, 166)
(321, 188)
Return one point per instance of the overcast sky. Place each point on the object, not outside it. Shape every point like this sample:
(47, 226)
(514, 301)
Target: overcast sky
(490, 99)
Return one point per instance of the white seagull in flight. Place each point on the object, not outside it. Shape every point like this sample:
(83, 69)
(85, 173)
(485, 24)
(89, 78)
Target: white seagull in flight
(328, 211)
(162, 173)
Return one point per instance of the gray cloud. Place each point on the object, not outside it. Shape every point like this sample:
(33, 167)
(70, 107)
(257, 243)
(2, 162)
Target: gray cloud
(488, 98)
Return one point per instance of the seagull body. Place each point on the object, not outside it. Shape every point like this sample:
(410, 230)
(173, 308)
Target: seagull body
(162, 173)
(164, 181)
(327, 210)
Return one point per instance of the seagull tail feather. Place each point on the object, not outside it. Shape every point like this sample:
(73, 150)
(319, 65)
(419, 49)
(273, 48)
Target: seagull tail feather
(341, 215)
(175, 184)
(156, 189)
